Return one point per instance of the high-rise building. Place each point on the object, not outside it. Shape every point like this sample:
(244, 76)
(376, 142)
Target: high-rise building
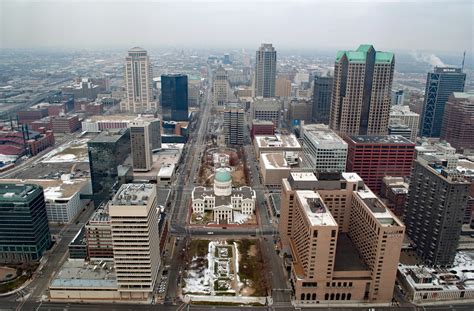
(136, 239)
(106, 152)
(397, 128)
(282, 87)
(267, 109)
(360, 103)
(140, 139)
(437, 200)
(398, 97)
(234, 124)
(99, 235)
(138, 82)
(174, 97)
(440, 84)
(221, 87)
(323, 149)
(24, 230)
(374, 157)
(322, 91)
(458, 121)
(299, 110)
(403, 115)
(265, 71)
(344, 241)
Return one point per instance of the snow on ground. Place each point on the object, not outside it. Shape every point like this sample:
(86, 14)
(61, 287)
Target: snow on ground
(240, 218)
(197, 281)
(57, 155)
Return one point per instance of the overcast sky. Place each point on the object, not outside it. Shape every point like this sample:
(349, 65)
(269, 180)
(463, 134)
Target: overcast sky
(388, 24)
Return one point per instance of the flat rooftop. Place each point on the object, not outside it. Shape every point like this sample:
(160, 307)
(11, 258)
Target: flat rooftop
(277, 140)
(352, 177)
(321, 134)
(109, 136)
(55, 189)
(315, 209)
(100, 216)
(164, 162)
(79, 274)
(382, 139)
(275, 161)
(133, 194)
(16, 191)
(347, 255)
(378, 208)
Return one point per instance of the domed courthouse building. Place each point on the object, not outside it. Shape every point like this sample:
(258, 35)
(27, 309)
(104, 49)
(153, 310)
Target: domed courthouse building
(223, 200)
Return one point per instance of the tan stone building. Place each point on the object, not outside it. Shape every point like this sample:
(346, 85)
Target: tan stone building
(361, 94)
(345, 243)
(273, 168)
(283, 87)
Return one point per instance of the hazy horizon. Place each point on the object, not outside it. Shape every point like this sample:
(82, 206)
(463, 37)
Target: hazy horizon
(442, 26)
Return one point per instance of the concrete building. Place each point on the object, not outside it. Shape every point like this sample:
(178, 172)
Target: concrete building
(265, 71)
(323, 149)
(65, 124)
(395, 128)
(24, 230)
(458, 121)
(106, 152)
(99, 235)
(221, 87)
(225, 203)
(322, 92)
(435, 208)
(138, 83)
(174, 97)
(345, 244)
(82, 88)
(374, 157)
(403, 115)
(441, 150)
(275, 143)
(62, 196)
(268, 109)
(398, 98)
(360, 103)
(395, 191)
(234, 117)
(140, 139)
(262, 128)
(440, 84)
(282, 87)
(136, 240)
(273, 168)
(299, 110)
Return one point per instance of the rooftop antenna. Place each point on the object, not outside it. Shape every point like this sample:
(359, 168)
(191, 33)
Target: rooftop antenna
(463, 59)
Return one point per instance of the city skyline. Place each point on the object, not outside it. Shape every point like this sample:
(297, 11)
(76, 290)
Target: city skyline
(318, 24)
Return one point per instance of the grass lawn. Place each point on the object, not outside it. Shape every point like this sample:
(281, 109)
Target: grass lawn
(251, 267)
(9, 286)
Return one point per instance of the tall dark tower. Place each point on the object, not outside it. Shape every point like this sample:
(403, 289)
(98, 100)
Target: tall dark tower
(174, 97)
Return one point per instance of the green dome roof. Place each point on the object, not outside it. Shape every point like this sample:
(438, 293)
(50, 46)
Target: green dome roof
(222, 175)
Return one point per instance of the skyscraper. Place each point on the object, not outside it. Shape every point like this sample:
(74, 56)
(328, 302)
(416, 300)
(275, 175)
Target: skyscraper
(458, 121)
(361, 94)
(437, 200)
(24, 230)
(138, 82)
(265, 71)
(234, 124)
(140, 139)
(344, 241)
(106, 152)
(174, 97)
(322, 91)
(440, 84)
(220, 87)
(136, 239)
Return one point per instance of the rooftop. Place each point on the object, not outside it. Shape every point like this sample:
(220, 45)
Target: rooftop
(277, 140)
(315, 209)
(378, 208)
(202, 192)
(382, 139)
(360, 55)
(303, 176)
(222, 175)
(55, 189)
(80, 274)
(16, 191)
(321, 134)
(275, 161)
(133, 194)
(109, 136)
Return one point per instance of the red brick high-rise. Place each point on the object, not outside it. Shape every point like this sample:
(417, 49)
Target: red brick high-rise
(374, 157)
